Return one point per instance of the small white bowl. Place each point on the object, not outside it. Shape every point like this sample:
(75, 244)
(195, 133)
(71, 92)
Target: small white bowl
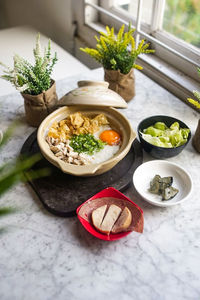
(145, 173)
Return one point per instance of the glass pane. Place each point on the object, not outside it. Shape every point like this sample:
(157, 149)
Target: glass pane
(182, 19)
(131, 6)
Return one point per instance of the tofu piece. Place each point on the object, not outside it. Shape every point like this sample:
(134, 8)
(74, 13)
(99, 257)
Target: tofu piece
(110, 218)
(97, 216)
(123, 222)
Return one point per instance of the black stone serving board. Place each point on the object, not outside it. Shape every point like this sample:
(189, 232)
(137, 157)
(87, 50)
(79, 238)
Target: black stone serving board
(61, 193)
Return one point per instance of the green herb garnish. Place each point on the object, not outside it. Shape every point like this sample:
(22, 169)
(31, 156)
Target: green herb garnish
(86, 143)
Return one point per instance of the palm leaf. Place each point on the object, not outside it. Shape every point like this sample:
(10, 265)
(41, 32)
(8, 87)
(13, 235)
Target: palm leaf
(11, 176)
(6, 211)
(8, 133)
(14, 171)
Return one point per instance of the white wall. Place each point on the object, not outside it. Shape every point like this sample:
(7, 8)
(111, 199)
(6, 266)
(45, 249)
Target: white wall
(83, 57)
(51, 17)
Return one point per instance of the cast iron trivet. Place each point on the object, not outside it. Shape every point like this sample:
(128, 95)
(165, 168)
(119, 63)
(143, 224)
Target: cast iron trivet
(61, 193)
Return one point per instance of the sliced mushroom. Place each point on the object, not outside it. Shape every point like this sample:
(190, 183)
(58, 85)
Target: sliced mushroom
(54, 149)
(73, 154)
(77, 162)
(58, 154)
(70, 160)
(65, 151)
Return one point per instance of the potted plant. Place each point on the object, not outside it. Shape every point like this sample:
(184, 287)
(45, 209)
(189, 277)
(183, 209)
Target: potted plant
(196, 103)
(34, 82)
(118, 54)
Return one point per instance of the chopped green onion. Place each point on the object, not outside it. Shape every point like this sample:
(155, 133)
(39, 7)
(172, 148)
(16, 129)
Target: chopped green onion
(86, 143)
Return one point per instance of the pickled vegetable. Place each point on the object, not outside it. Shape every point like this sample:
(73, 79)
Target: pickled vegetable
(169, 193)
(168, 137)
(163, 186)
(155, 184)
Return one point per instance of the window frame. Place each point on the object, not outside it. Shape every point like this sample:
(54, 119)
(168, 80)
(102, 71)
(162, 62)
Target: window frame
(174, 73)
(156, 31)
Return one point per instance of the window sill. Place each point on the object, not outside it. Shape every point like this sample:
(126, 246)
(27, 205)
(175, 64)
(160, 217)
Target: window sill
(169, 77)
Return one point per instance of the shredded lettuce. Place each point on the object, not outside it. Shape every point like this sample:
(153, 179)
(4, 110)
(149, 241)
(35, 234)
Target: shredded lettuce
(168, 137)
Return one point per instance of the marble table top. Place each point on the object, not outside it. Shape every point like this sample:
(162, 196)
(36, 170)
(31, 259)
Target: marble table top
(47, 257)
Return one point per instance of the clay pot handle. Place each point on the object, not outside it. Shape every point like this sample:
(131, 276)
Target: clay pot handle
(92, 83)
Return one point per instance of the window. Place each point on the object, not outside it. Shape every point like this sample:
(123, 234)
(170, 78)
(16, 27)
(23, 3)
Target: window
(131, 7)
(182, 19)
(172, 27)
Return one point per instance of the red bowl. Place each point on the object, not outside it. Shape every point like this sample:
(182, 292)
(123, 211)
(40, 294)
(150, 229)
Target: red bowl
(111, 192)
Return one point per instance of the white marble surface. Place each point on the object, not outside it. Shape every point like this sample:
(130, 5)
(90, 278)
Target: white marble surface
(46, 257)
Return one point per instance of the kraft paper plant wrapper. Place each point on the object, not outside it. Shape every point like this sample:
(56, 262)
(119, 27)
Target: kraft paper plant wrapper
(123, 84)
(37, 107)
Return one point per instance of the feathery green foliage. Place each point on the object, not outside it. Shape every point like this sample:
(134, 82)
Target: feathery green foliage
(118, 52)
(32, 79)
(12, 172)
(196, 103)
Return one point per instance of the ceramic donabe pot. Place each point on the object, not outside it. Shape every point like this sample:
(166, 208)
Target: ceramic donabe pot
(90, 98)
(115, 118)
(93, 93)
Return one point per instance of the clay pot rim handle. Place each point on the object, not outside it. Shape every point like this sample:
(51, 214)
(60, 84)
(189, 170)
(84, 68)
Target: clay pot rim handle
(83, 83)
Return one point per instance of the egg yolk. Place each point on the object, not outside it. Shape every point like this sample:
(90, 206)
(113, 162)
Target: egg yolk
(111, 137)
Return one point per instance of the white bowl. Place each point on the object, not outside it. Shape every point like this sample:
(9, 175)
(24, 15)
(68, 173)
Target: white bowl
(145, 173)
